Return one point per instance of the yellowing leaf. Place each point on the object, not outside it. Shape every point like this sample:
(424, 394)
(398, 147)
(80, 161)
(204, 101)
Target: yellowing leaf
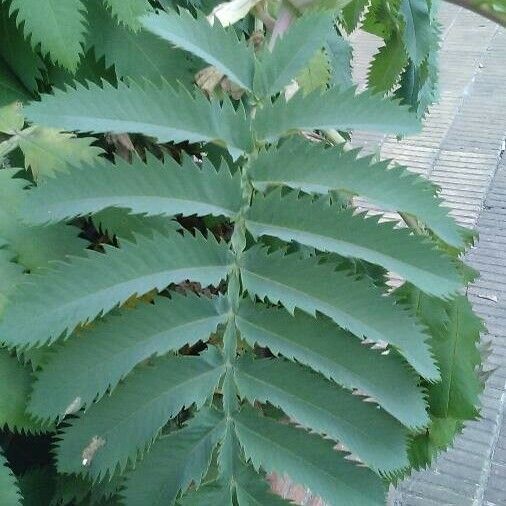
(48, 150)
(11, 118)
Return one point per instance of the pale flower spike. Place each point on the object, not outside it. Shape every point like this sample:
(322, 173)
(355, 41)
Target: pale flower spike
(229, 13)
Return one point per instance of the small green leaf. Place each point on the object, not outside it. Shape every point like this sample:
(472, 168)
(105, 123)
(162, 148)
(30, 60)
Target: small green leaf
(57, 26)
(175, 462)
(387, 65)
(48, 150)
(215, 44)
(11, 118)
(128, 12)
(276, 67)
(417, 30)
(9, 490)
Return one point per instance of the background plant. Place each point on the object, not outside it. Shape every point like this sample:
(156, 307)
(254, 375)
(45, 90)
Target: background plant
(214, 284)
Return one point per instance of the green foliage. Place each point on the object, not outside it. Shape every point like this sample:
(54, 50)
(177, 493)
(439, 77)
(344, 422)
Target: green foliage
(214, 44)
(166, 113)
(176, 460)
(189, 299)
(15, 385)
(128, 11)
(155, 188)
(57, 26)
(9, 492)
(314, 169)
(307, 459)
(277, 67)
(333, 108)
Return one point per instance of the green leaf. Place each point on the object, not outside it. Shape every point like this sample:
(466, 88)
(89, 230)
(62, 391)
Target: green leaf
(17, 53)
(98, 359)
(354, 304)
(11, 118)
(215, 44)
(15, 385)
(424, 447)
(116, 44)
(123, 225)
(33, 247)
(455, 347)
(291, 53)
(314, 169)
(307, 459)
(37, 486)
(56, 302)
(315, 403)
(57, 26)
(175, 461)
(161, 112)
(340, 54)
(115, 430)
(152, 188)
(11, 274)
(334, 108)
(351, 14)
(11, 89)
(337, 355)
(216, 492)
(455, 331)
(326, 227)
(254, 490)
(316, 76)
(48, 150)
(417, 31)
(387, 65)
(9, 490)
(128, 12)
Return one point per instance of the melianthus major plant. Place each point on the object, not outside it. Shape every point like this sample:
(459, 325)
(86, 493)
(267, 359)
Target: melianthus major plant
(182, 359)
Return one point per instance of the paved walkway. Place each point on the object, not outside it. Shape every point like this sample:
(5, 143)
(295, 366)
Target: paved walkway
(461, 149)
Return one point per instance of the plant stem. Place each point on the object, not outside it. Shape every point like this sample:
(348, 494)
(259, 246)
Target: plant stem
(485, 9)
